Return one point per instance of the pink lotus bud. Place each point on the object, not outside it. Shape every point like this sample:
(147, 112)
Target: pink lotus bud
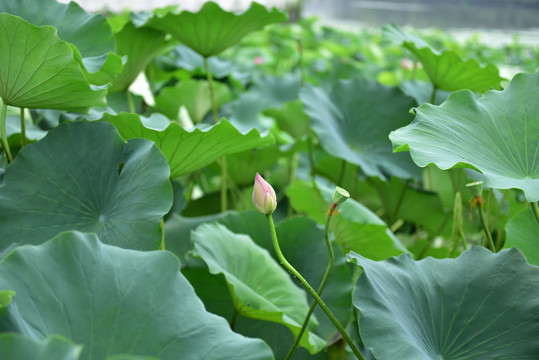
(406, 64)
(259, 60)
(264, 196)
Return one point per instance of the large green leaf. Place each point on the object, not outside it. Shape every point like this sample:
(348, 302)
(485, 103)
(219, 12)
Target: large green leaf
(495, 134)
(187, 151)
(260, 287)
(523, 233)
(266, 92)
(355, 227)
(19, 347)
(39, 71)
(91, 34)
(116, 301)
(194, 95)
(478, 306)
(84, 176)
(212, 30)
(447, 71)
(140, 45)
(353, 121)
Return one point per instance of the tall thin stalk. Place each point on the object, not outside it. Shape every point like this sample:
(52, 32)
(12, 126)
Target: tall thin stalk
(322, 284)
(433, 94)
(224, 174)
(5, 144)
(212, 90)
(23, 129)
(309, 288)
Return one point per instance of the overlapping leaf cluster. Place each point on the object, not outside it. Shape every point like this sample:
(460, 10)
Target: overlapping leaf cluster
(113, 242)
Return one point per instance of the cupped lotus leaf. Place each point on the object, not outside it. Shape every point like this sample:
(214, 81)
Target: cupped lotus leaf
(523, 233)
(353, 121)
(39, 71)
(495, 134)
(116, 301)
(188, 151)
(91, 34)
(212, 30)
(140, 45)
(260, 287)
(84, 176)
(480, 305)
(355, 228)
(19, 347)
(446, 70)
(194, 95)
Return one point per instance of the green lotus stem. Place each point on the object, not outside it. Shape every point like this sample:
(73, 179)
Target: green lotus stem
(311, 291)
(162, 246)
(535, 210)
(224, 202)
(399, 202)
(320, 288)
(5, 144)
(233, 319)
(485, 229)
(457, 232)
(224, 176)
(433, 94)
(130, 103)
(23, 129)
(212, 90)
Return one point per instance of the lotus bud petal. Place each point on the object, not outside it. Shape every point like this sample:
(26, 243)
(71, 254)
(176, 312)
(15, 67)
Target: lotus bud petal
(264, 197)
(340, 195)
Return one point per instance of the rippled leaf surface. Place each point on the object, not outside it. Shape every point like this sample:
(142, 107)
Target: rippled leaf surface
(478, 306)
(116, 301)
(495, 134)
(84, 176)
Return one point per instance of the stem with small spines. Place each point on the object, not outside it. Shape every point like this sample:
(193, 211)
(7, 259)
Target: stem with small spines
(309, 288)
(322, 284)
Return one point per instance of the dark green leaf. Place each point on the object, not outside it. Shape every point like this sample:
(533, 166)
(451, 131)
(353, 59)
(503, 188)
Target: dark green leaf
(353, 122)
(83, 176)
(478, 306)
(116, 301)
